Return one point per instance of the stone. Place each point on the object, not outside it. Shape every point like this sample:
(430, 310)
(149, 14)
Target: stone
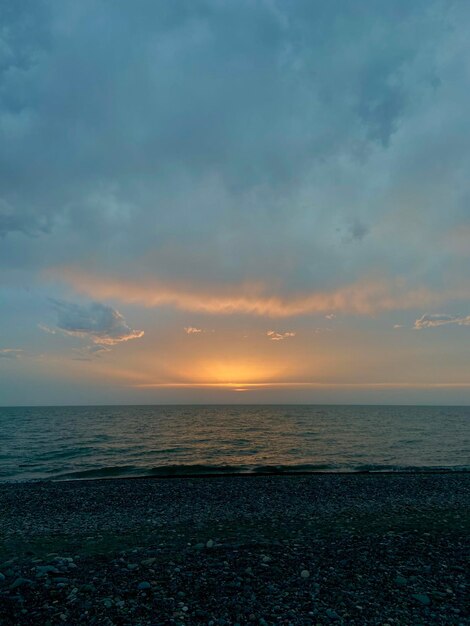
(148, 562)
(400, 581)
(132, 566)
(331, 614)
(304, 573)
(21, 582)
(2, 577)
(210, 544)
(144, 585)
(422, 598)
(44, 570)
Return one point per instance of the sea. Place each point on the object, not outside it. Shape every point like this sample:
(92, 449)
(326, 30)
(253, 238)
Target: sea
(91, 442)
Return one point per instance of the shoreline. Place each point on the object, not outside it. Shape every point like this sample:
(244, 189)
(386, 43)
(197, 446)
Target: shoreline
(378, 548)
(161, 473)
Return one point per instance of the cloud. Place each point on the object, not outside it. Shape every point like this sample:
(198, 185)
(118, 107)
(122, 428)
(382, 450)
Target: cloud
(88, 353)
(275, 336)
(97, 322)
(356, 231)
(11, 353)
(199, 124)
(364, 297)
(27, 223)
(191, 330)
(432, 320)
(213, 157)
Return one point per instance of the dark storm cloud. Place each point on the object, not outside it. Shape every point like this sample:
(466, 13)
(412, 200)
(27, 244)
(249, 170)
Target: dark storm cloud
(226, 141)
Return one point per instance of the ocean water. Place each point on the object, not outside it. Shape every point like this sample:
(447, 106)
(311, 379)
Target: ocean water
(104, 441)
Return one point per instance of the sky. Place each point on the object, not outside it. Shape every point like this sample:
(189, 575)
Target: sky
(217, 201)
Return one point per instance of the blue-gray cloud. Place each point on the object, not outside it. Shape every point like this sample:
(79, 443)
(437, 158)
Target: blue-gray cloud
(302, 145)
(11, 353)
(97, 322)
(196, 138)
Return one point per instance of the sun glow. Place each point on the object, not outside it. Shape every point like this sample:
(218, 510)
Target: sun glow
(239, 375)
(235, 373)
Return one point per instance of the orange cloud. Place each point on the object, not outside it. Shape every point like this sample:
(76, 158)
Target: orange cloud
(364, 297)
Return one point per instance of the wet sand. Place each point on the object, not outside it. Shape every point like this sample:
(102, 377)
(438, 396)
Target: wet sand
(318, 549)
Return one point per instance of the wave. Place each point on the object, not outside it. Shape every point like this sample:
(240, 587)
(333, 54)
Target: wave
(183, 471)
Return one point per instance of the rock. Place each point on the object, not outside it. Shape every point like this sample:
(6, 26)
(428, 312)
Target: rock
(331, 614)
(400, 581)
(210, 544)
(422, 598)
(132, 566)
(438, 595)
(199, 546)
(2, 577)
(148, 562)
(144, 585)
(304, 573)
(21, 582)
(44, 570)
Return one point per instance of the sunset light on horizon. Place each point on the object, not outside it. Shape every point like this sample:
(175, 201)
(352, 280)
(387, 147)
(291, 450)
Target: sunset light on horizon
(250, 202)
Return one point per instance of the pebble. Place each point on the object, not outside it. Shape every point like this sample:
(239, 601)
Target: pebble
(144, 585)
(21, 582)
(350, 563)
(422, 597)
(43, 570)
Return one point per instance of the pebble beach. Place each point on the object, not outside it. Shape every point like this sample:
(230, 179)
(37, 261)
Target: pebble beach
(382, 549)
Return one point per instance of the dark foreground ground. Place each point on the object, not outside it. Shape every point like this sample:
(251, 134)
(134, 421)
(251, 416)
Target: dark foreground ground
(331, 549)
